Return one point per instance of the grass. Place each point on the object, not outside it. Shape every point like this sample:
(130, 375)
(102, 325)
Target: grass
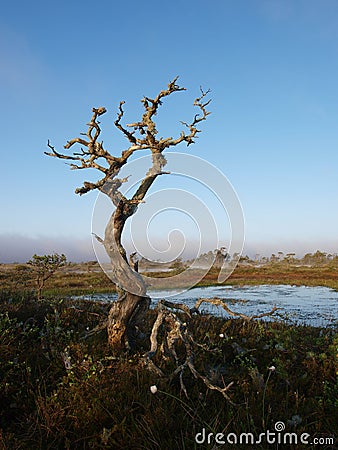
(60, 391)
(82, 279)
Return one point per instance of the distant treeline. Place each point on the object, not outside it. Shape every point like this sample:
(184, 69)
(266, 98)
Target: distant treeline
(317, 258)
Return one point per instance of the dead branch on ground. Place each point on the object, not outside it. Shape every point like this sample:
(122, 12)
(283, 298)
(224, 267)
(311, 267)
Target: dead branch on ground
(175, 331)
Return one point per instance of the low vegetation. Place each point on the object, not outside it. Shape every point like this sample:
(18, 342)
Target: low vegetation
(62, 388)
(88, 278)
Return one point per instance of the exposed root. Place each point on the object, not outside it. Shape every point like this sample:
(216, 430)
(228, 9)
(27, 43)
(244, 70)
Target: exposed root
(174, 332)
(180, 306)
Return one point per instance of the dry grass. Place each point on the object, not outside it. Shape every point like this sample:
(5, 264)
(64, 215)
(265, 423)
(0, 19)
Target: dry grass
(86, 278)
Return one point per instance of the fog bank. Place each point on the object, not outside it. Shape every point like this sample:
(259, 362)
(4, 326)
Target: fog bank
(20, 248)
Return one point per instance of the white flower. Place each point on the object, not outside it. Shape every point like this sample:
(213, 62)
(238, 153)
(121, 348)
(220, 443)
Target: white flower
(221, 335)
(272, 368)
(153, 389)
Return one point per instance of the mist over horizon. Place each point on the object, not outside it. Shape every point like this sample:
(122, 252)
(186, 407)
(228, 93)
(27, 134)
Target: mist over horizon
(19, 248)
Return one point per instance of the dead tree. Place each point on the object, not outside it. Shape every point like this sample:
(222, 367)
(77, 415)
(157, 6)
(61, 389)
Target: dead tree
(132, 302)
(177, 342)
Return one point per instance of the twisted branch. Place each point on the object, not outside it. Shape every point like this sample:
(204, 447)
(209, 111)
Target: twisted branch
(147, 139)
(219, 302)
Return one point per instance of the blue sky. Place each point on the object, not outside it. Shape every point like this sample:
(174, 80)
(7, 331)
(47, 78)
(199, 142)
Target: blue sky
(272, 67)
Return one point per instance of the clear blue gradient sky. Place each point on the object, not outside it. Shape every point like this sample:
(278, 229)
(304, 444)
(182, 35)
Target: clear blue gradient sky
(272, 67)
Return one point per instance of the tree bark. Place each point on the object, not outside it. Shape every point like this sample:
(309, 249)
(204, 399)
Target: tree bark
(124, 317)
(132, 304)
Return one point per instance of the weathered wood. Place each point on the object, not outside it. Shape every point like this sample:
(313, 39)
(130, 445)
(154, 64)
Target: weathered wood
(219, 302)
(122, 317)
(132, 300)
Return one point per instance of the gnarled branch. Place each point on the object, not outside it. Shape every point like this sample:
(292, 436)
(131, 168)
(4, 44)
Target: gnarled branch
(219, 302)
(147, 140)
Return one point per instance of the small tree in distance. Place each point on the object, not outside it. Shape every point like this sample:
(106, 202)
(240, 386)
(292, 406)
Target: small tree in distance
(44, 267)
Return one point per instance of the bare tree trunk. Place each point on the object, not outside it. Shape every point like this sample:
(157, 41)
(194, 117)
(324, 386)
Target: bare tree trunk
(132, 304)
(124, 316)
